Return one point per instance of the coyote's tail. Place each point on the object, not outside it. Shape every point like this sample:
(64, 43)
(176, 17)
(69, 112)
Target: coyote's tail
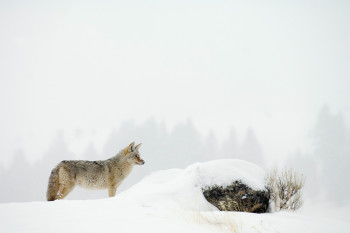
(53, 186)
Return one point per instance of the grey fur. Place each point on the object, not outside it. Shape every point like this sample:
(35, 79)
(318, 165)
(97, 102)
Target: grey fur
(102, 174)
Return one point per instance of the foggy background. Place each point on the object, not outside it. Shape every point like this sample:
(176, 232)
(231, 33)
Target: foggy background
(266, 82)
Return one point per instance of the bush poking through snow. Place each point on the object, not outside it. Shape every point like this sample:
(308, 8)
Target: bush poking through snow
(285, 189)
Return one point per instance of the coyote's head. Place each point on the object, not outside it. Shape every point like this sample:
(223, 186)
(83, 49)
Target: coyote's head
(132, 154)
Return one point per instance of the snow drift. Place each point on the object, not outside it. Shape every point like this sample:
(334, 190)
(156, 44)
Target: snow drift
(183, 187)
(165, 201)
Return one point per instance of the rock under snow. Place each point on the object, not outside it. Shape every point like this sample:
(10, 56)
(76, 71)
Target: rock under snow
(184, 187)
(233, 185)
(238, 197)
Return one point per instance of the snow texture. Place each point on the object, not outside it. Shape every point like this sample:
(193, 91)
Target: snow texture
(165, 201)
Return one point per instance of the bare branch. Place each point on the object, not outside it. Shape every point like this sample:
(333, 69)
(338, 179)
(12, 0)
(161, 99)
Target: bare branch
(285, 189)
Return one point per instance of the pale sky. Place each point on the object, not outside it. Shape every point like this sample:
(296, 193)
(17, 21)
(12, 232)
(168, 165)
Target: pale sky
(93, 64)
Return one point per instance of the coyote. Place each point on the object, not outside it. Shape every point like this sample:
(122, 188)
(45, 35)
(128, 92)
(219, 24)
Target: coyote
(102, 174)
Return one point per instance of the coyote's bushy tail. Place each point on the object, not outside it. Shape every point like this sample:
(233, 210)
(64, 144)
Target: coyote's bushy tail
(53, 186)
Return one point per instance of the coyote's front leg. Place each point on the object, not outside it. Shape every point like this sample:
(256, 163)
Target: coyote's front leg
(112, 189)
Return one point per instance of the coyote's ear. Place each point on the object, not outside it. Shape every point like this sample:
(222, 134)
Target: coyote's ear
(129, 148)
(138, 146)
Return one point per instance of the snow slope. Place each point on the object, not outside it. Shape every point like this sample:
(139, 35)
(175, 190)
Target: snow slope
(165, 201)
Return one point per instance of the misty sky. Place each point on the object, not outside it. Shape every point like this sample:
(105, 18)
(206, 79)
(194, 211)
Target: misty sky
(90, 65)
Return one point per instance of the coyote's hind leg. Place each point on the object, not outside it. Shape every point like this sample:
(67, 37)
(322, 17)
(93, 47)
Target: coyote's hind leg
(67, 183)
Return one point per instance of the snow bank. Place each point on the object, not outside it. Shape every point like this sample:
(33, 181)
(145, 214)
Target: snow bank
(223, 172)
(165, 201)
(183, 187)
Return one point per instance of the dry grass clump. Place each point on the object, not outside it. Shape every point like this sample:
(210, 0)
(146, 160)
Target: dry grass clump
(221, 222)
(285, 189)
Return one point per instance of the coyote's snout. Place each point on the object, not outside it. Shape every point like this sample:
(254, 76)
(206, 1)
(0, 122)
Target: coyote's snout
(102, 174)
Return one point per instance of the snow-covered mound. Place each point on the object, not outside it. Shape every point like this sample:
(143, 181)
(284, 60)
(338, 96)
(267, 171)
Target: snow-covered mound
(165, 201)
(183, 187)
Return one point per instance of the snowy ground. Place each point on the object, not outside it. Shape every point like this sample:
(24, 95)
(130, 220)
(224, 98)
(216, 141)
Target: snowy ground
(169, 201)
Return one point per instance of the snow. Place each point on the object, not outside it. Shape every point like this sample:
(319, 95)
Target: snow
(183, 187)
(165, 201)
(221, 172)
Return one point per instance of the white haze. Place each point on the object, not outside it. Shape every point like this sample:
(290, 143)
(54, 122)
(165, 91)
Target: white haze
(220, 71)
